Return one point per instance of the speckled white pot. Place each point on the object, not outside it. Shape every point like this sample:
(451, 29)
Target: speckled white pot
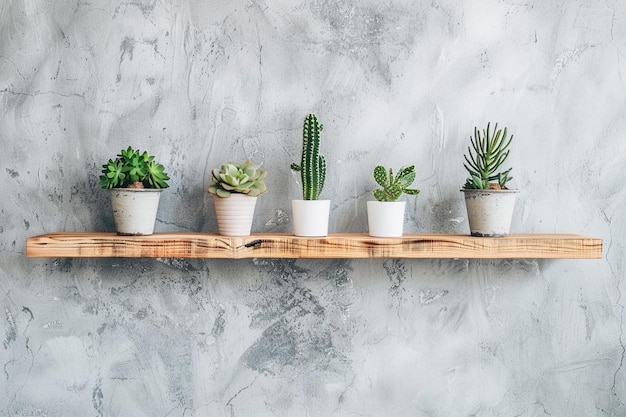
(489, 212)
(135, 210)
(385, 218)
(234, 214)
(310, 217)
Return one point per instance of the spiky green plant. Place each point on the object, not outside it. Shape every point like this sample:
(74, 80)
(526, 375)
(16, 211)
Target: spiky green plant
(133, 169)
(484, 158)
(312, 166)
(393, 187)
(244, 178)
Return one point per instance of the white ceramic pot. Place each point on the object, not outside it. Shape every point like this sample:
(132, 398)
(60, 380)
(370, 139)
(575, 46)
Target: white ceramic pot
(489, 212)
(135, 210)
(310, 217)
(234, 214)
(385, 218)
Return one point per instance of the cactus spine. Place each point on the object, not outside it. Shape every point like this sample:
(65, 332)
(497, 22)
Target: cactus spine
(312, 166)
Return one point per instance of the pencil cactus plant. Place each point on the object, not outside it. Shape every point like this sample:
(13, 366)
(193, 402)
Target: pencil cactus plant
(312, 166)
(393, 187)
(486, 155)
(244, 178)
(489, 202)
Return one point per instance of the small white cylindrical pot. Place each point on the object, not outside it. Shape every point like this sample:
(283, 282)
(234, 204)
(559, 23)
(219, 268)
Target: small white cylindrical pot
(310, 217)
(135, 210)
(489, 212)
(234, 214)
(385, 218)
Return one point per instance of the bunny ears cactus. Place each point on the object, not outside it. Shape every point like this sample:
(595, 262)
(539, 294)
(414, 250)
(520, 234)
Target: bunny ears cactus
(242, 178)
(393, 187)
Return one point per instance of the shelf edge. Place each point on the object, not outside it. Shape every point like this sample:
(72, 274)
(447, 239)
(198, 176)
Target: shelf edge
(333, 246)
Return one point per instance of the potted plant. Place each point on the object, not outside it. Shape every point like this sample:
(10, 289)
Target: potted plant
(136, 181)
(385, 216)
(235, 189)
(310, 215)
(488, 201)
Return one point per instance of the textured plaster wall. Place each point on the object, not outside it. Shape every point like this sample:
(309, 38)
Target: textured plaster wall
(199, 82)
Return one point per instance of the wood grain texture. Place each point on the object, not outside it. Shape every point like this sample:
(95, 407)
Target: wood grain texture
(275, 245)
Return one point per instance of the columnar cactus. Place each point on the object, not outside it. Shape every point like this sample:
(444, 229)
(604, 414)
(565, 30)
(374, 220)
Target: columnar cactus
(312, 166)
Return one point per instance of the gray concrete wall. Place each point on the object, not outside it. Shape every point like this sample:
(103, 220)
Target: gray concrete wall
(199, 82)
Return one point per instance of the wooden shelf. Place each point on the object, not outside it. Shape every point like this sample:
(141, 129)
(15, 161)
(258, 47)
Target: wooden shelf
(276, 245)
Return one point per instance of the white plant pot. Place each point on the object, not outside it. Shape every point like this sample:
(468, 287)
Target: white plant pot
(310, 217)
(385, 218)
(489, 212)
(135, 210)
(234, 214)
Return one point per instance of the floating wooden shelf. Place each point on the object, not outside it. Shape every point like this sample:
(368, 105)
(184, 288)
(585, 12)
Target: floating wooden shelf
(276, 245)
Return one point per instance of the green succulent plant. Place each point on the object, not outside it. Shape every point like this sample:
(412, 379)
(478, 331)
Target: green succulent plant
(242, 178)
(133, 169)
(312, 165)
(484, 158)
(393, 187)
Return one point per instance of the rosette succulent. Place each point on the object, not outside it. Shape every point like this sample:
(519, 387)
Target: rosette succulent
(244, 178)
(133, 169)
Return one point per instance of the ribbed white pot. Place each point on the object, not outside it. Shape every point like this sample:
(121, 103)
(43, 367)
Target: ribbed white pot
(135, 210)
(234, 214)
(489, 212)
(310, 217)
(385, 218)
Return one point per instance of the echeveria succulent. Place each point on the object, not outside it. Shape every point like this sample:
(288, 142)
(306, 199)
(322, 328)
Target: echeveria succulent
(244, 178)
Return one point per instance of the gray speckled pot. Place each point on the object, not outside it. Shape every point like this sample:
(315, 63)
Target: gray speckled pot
(135, 210)
(489, 212)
